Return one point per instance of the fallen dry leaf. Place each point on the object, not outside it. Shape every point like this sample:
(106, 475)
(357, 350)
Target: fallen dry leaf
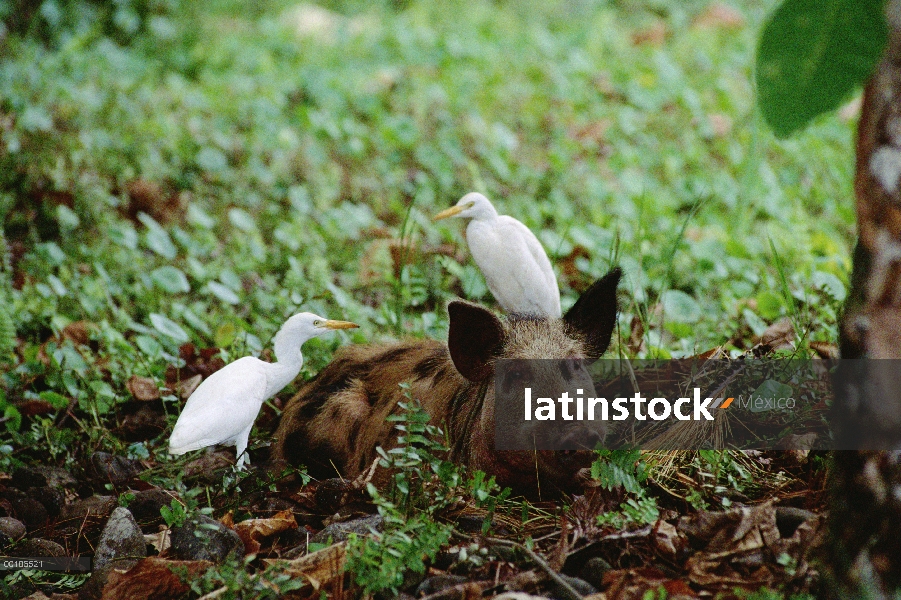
(152, 579)
(319, 568)
(720, 16)
(826, 350)
(253, 531)
(143, 388)
(654, 35)
(142, 424)
(574, 277)
(720, 124)
(203, 363)
(633, 584)
(30, 408)
(779, 335)
(737, 546)
(77, 332)
(668, 540)
(636, 335)
(186, 387)
(159, 540)
(150, 197)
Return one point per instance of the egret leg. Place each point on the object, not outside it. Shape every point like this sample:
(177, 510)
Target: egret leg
(241, 447)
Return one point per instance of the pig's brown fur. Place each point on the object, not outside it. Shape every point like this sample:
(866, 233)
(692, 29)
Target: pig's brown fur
(335, 422)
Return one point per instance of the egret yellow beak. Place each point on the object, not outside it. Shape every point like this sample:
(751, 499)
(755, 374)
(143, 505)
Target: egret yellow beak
(450, 212)
(339, 325)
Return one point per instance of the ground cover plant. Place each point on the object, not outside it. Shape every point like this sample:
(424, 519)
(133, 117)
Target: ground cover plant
(175, 181)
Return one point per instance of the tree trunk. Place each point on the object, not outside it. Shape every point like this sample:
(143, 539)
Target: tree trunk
(864, 553)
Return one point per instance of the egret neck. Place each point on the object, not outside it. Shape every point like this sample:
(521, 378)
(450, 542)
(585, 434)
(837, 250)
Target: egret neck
(288, 359)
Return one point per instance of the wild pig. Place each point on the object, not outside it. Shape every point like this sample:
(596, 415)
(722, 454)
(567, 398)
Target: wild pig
(338, 418)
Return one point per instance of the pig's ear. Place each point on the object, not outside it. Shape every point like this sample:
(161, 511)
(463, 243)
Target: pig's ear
(474, 339)
(594, 313)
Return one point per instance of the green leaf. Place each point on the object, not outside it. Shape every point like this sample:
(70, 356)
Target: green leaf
(830, 283)
(157, 238)
(679, 306)
(223, 293)
(57, 401)
(225, 335)
(242, 220)
(812, 54)
(168, 327)
(66, 217)
(769, 389)
(12, 417)
(124, 235)
(170, 279)
(148, 345)
(211, 159)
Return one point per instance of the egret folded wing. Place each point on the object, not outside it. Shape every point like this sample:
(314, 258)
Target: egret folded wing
(224, 405)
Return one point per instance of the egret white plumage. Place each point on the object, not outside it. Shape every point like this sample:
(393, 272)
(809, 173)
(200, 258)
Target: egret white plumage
(223, 408)
(515, 265)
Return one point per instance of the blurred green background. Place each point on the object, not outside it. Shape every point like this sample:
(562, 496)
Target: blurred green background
(177, 171)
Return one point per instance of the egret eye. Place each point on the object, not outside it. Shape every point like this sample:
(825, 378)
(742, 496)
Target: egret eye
(470, 204)
(317, 323)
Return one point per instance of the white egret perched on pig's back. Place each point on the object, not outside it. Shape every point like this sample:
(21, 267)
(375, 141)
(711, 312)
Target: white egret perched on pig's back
(515, 265)
(223, 408)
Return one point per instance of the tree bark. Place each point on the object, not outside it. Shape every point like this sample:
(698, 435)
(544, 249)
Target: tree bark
(864, 553)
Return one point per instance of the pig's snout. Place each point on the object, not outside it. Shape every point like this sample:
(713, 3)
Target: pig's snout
(582, 438)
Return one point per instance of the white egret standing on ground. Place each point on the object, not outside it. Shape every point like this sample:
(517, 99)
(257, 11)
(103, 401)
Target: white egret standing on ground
(223, 408)
(516, 268)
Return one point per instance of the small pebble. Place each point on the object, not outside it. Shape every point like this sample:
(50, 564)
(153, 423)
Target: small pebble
(13, 528)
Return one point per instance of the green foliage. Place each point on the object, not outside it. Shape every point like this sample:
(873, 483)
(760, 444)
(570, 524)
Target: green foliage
(423, 477)
(63, 582)
(718, 475)
(235, 579)
(424, 484)
(812, 54)
(620, 468)
(487, 494)
(179, 511)
(624, 469)
(55, 21)
(175, 514)
(659, 594)
(766, 594)
(379, 562)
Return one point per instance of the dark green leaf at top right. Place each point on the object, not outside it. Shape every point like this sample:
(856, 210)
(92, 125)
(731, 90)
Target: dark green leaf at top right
(812, 54)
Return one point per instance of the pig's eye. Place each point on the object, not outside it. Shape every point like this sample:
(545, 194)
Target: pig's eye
(515, 376)
(570, 366)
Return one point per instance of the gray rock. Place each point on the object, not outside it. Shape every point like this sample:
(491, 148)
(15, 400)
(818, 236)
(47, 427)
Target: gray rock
(339, 532)
(52, 498)
(120, 547)
(146, 504)
(594, 570)
(202, 538)
(28, 510)
(580, 585)
(117, 470)
(789, 518)
(207, 469)
(41, 476)
(37, 547)
(12, 528)
(439, 583)
(97, 506)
